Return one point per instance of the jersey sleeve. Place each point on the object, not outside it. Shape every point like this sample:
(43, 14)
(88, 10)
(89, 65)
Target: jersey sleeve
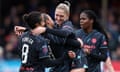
(68, 26)
(104, 47)
(103, 42)
(73, 42)
(77, 33)
(59, 32)
(56, 39)
(63, 41)
(65, 31)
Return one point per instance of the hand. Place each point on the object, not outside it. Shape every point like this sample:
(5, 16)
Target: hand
(86, 50)
(109, 66)
(78, 70)
(71, 54)
(81, 42)
(19, 30)
(38, 30)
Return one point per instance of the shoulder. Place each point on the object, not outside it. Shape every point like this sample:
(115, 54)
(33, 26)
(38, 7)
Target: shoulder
(24, 34)
(69, 23)
(68, 26)
(40, 39)
(99, 34)
(78, 31)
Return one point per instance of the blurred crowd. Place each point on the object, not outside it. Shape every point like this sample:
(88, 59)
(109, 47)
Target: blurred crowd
(12, 11)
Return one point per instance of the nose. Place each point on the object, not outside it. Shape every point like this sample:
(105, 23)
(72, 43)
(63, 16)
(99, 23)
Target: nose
(58, 18)
(81, 21)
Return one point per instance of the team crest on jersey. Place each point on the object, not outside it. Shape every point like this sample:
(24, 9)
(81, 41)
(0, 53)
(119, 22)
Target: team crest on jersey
(44, 49)
(94, 40)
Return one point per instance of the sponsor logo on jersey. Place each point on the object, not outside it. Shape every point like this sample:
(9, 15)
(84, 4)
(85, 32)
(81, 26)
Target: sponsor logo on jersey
(44, 49)
(89, 46)
(94, 40)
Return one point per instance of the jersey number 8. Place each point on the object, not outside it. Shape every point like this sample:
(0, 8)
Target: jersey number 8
(25, 50)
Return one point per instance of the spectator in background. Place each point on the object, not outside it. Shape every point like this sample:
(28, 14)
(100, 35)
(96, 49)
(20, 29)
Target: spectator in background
(11, 46)
(116, 53)
(113, 29)
(33, 4)
(43, 9)
(7, 25)
(2, 35)
(75, 20)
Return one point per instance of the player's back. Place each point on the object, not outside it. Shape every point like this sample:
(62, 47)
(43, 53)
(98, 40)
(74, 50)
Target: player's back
(32, 50)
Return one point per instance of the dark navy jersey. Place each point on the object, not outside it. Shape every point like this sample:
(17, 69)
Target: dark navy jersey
(32, 49)
(80, 61)
(60, 50)
(97, 44)
(67, 25)
(56, 42)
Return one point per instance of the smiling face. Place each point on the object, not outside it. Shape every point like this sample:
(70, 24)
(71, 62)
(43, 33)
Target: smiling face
(60, 16)
(85, 22)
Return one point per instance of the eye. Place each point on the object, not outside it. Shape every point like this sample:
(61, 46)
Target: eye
(57, 15)
(82, 18)
(61, 16)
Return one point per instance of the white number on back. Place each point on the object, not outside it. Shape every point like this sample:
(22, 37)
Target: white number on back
(25, 50)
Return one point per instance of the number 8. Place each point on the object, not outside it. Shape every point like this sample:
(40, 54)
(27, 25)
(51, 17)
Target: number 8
(25, 50)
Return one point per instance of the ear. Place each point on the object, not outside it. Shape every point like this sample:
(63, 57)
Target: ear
(37, 24)
(68, 15)
(42, 24)
(91, 21)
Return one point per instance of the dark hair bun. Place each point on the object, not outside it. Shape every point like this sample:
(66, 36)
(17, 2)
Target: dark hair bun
(25, 18)
(67, 3)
